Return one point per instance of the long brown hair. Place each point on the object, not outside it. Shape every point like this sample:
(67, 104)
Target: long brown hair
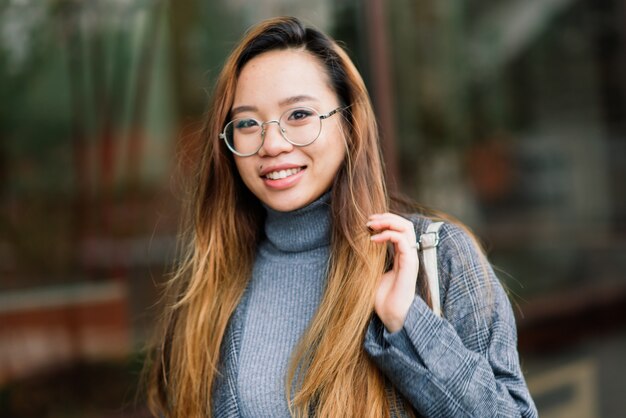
(330, 371)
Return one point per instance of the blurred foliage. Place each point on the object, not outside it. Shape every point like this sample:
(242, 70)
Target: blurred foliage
(509, 115)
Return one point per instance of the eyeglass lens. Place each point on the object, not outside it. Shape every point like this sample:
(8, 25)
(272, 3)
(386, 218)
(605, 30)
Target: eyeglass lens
(300, 126)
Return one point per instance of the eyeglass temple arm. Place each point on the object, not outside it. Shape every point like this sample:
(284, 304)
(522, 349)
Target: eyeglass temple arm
(329, 114)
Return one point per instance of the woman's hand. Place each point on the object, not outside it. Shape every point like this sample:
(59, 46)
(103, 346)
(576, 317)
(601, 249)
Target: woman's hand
(396, 290)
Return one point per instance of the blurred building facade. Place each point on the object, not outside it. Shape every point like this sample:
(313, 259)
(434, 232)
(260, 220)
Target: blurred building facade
(509, 115)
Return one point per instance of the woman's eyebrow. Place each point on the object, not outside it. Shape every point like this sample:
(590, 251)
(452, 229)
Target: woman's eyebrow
(240, 109)
(288, 101)
(297, 99)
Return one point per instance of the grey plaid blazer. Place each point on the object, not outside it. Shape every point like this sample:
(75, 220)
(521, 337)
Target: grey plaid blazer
(462, 365)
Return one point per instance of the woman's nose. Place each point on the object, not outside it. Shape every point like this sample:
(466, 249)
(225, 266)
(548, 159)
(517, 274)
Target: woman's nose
(273, 141)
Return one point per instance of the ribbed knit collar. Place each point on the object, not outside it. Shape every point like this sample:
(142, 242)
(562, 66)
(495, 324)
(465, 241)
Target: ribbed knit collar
(300, 230)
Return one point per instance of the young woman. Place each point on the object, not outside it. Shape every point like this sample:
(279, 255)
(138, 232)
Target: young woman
(287, 302)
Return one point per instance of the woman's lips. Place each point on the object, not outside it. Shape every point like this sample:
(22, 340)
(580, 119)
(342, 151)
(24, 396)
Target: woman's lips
(283, 178)
(281, 174)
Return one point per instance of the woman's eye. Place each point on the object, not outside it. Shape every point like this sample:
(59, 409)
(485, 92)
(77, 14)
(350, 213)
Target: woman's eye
(246, 123)
(300, 114)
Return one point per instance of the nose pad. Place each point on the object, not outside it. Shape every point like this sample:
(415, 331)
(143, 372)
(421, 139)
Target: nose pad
(273, 141)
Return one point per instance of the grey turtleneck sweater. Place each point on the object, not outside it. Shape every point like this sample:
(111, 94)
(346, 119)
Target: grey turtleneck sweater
(464, 363)
(284, 292)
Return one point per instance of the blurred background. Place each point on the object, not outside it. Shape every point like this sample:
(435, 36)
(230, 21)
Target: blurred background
(510, 115)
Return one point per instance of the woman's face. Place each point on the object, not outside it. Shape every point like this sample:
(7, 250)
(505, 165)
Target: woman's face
(283, 176)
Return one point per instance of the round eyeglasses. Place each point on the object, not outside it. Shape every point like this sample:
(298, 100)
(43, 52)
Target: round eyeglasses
(300, 126)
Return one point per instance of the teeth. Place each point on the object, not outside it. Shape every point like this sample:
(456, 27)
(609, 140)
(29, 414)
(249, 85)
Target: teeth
(276, 175)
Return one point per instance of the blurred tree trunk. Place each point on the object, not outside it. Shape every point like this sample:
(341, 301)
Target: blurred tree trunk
(383, 91)
(143, 77)
(72, 36)
(182, 14)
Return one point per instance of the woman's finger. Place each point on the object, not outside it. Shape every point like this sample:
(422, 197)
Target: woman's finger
(399, 239)
(390, 221)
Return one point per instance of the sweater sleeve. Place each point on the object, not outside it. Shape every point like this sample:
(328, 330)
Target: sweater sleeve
(465, 364)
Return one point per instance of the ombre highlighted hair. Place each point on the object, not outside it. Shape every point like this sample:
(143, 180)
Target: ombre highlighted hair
(330, 375)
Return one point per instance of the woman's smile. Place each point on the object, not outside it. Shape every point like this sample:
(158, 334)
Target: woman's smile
(283, 177)
(277, 175)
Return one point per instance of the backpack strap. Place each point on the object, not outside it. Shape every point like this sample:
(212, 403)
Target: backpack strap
(427, 244)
